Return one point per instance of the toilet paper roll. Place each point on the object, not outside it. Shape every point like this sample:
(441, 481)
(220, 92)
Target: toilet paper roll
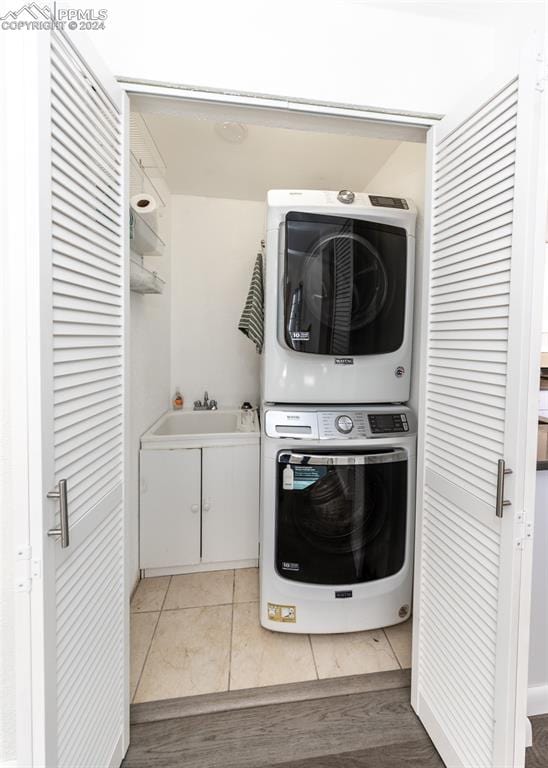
(143, 203)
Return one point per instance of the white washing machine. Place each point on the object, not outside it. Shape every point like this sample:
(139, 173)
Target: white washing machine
(338, 298)
(337, 517)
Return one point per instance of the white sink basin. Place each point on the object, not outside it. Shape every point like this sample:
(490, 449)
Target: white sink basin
(197, 428)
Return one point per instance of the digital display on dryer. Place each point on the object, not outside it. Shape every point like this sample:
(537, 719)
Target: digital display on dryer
(388, 202)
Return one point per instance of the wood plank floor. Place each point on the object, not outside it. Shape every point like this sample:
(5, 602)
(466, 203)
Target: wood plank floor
(537, 755)
(365, 723)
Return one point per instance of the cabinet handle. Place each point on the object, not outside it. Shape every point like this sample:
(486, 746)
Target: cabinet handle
(60, 494)
(501, 502)
(195, 508)
(207, 506)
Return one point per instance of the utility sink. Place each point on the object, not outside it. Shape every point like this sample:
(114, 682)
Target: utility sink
(198, 429)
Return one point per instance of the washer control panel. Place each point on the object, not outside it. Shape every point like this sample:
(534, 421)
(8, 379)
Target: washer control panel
(338, 425)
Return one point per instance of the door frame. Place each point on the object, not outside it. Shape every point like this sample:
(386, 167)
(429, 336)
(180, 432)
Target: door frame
(23, 173)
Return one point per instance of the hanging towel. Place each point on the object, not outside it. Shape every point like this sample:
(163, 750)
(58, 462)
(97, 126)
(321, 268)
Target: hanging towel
(252, 320)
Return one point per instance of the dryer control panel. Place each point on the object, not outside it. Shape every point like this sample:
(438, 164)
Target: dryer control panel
(352, 423)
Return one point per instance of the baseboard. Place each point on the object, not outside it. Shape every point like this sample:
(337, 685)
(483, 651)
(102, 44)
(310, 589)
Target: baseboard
(209, 703)
(537, 700)
(201, 568)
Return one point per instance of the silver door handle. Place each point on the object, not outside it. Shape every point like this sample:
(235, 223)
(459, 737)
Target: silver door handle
(61, 494)
(501, 502)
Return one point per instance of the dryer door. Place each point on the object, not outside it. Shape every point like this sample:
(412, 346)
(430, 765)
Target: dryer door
(341, 518)
(345, 282)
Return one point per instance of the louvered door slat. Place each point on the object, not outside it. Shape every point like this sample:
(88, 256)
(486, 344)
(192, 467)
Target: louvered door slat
(82, 257)
(86, 379)
(86, 193)
(99, 101)
(478, 287)
(82, 107)
(71, 221)
(67, 118)
(82, 168)
(478, 124)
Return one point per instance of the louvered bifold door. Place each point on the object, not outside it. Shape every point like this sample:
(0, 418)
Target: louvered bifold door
(477, 363)
(83, 348)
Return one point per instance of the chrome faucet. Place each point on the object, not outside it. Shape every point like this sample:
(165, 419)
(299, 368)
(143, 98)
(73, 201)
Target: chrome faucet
(206, 404)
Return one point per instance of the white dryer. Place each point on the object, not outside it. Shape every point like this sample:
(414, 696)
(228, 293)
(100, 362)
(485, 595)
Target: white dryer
(337, 517)
(338, 298)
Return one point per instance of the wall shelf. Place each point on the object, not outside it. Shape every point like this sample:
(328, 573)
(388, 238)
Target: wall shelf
(143, 239)
(143, 280)
(140, 181)
(143, 229)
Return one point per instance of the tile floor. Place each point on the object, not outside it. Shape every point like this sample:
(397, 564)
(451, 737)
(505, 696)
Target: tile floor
(200, 633)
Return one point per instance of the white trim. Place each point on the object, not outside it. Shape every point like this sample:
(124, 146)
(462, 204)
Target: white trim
(191, 93)
(38, 211)
(18, 174)
(532, 186)
(537, 700)
(126, 494)
(200, 568)
(424, 326)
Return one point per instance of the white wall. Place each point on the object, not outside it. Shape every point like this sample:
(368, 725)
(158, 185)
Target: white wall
(544, 347)
(538, 649)
(214, 244)
(403, 175)
(406, 55)
(150, 368)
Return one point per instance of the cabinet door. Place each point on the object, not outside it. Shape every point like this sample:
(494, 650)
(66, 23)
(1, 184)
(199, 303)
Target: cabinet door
(230, 504)
(170, 508)
(480, 347)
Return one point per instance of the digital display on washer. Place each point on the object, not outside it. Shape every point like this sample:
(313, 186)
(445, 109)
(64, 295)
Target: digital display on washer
(381, 423)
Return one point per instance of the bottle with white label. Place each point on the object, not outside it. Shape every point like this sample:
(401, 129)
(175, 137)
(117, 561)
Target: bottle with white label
(287, 478)
(248, 418)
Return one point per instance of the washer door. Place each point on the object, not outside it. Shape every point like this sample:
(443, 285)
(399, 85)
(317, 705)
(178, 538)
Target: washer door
(341, 518)
(345, 285)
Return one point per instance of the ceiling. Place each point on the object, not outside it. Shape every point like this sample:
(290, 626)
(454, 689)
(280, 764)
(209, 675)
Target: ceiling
(200, 162)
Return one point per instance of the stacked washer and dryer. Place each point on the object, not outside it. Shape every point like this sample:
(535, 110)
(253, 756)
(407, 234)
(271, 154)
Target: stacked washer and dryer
(338, 443)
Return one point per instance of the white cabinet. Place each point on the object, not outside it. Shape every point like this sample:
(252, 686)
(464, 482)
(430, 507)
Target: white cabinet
(199, 506)
(170, 508)
(230, 503)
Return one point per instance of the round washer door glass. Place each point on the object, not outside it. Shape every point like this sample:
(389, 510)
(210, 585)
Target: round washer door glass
(340, 524)
(345, 285)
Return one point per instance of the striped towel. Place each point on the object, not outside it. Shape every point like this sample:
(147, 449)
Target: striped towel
(252, 320)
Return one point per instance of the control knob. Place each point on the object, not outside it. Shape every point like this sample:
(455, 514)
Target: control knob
(344, 424)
